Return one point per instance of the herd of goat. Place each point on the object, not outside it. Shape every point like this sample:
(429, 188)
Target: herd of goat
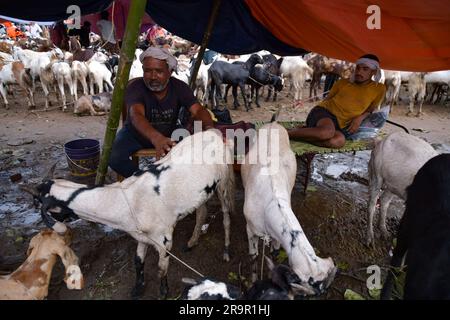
(55, 68)
(400, 164)
(414, 172)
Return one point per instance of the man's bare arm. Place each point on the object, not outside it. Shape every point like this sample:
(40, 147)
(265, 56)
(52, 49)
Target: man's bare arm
(161, 143)
(199, 113)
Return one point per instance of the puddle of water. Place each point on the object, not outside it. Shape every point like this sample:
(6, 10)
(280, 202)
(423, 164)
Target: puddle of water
(10, 208)
(335, 170)
(316, 175)
(21, 217)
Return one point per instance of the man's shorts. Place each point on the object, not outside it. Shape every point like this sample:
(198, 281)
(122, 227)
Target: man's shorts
(317, 113)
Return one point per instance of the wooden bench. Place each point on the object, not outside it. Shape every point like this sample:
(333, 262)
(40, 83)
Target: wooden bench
(306, 151)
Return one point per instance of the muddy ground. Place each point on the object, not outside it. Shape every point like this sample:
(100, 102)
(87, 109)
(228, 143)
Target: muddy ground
(332, 213)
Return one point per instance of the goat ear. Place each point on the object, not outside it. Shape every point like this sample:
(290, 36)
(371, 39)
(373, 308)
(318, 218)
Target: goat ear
(50, 173)
(68, 235)
(33, 243)
(189, 281)
(29, 250)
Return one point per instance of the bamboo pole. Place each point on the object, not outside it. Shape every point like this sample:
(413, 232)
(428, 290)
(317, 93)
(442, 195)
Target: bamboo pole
(206, 36)
(135, 14)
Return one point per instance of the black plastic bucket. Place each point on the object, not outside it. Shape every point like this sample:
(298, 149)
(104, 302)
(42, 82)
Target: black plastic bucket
(83, 156)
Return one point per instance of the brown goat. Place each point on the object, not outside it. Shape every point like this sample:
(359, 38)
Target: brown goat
(30, 281)
(321, 64)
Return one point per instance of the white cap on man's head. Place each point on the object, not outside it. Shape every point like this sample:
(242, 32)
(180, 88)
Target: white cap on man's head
(161, 54)
(372, 63)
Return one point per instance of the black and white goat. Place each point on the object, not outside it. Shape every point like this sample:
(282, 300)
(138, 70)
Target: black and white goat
(148, 204)
(268, 176)
(281, 285)
(423, 235)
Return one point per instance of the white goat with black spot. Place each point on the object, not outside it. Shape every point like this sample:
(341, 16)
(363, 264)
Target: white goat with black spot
(268, 211)
(148, 204)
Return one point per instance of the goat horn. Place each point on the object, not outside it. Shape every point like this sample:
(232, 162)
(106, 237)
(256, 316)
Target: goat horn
(30, 189)
(50, 172)
(188, 281)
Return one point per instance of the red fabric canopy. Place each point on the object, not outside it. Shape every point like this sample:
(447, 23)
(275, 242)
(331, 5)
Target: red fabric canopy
(414, 34)
(121, 8)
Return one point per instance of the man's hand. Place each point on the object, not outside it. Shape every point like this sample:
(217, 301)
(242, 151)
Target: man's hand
(163, 145)
(355, 124)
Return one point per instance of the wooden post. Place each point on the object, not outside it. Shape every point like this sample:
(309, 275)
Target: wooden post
(212, 19)
(135, 14)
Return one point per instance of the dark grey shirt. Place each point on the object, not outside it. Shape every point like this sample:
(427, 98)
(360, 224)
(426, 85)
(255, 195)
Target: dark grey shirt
(163, 114)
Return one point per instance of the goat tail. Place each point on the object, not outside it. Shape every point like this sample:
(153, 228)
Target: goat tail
(226, 190)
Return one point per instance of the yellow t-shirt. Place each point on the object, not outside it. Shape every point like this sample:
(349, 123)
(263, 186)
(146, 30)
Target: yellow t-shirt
(348, 100)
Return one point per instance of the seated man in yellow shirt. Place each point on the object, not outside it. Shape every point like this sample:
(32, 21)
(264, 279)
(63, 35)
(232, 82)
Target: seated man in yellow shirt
(348, 103)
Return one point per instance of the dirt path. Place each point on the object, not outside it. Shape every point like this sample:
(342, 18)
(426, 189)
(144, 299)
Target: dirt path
(332, 212)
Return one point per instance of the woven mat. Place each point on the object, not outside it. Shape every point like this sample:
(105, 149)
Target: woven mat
(301, 148)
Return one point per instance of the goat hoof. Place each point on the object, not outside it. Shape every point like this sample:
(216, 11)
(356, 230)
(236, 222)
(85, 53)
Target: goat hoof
(226, 257)
(187, 248)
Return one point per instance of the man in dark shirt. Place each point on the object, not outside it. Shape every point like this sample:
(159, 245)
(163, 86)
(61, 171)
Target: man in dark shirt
(154, 103)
